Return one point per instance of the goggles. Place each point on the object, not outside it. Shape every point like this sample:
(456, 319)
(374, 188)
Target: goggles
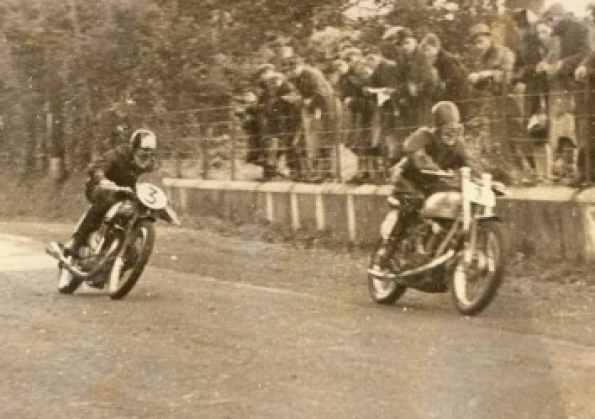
(451, 130)
(145, 153)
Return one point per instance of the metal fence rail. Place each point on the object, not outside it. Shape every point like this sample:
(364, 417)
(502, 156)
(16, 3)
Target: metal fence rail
(215, 143)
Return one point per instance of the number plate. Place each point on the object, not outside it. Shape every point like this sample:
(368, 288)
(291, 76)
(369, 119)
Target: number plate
(151, 196)
(479, 195)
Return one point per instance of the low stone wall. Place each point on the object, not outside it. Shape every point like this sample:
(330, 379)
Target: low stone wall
(554, 222)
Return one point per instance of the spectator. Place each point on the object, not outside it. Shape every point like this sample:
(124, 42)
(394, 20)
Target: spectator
(419, 81)
(590, 23)
(585, 73)
(247, 112)
(537, 55)
(356, 75)
(537, 76)
(491, 66)
(565, 95)
(386, 114)
(452, 73)
(282, 124)
(318, 115)
(574, 41)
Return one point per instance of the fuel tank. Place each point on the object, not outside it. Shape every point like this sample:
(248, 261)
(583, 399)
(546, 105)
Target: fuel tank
(442, 205)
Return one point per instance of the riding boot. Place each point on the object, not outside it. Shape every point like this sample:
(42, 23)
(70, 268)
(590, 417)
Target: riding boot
(384, 253)
(88, 222)
(381, 262)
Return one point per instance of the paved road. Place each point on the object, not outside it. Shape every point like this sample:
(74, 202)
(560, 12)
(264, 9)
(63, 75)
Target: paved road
(185, 345)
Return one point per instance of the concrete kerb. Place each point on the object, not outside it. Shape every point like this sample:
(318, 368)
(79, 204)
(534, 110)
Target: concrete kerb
(549, 221)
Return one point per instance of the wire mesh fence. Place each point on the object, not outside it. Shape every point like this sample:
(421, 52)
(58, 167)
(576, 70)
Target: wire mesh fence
(523, 139)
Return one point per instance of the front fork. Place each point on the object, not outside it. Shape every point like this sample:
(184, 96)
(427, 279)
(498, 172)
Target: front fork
(118, 265)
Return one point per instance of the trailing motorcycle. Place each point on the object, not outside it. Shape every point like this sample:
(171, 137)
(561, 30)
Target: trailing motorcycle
(116, 253)
(456, 243)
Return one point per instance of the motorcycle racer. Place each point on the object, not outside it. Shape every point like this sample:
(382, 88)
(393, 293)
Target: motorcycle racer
(437, 147)
(121, 166)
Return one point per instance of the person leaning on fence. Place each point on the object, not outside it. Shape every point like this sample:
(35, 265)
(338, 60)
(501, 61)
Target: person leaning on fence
(491, 68)
(567, 100)
(585, 73)
(419, 80)
(358, 108)
(247, 113)
(574, 40)
(537, 53)
(282, 124)
(452, 73)
(319, 117)
(491, 64)
(386, 115)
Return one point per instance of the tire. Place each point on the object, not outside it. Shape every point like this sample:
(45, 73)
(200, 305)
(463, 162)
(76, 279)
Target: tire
(383, 292)
(488, 266)
(131, 271)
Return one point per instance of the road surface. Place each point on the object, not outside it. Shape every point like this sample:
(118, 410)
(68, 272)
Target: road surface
(249, 342)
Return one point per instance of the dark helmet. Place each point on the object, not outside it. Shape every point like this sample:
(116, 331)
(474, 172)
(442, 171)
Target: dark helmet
(446, 118)
(445, 112)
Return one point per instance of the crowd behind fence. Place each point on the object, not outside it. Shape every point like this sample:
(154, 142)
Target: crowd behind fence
(517, 147)
(214, 143)
(525, 102)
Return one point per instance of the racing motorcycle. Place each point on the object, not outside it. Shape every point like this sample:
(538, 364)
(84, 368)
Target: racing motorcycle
(116, 253)
(456, 242)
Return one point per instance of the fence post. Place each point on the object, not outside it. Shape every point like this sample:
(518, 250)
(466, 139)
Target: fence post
(588, 130)
(337, 136)
(204, 143)
(232, 138)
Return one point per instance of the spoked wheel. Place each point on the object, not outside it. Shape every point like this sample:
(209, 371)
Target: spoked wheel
(381, 291)
(475, 286)
(127, 269)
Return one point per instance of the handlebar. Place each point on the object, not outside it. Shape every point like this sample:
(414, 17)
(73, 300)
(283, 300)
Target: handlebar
(438, 173)
(120, 190)
(376, 90)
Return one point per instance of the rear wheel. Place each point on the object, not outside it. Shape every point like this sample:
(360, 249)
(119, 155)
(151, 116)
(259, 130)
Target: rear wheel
(383, 291)
(475, 285)
(127, 269)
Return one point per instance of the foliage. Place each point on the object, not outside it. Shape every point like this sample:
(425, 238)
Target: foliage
(95, 65)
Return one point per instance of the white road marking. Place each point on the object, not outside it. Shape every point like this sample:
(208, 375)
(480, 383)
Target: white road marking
(23, 254)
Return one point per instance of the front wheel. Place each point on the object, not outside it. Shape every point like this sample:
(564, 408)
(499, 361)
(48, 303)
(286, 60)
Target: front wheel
(381, 291)
(475, 285)
(128, 268)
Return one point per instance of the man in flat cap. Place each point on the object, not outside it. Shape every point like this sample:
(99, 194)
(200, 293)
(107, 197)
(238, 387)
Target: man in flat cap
(419, 83)
(492, 64)
(319, 118)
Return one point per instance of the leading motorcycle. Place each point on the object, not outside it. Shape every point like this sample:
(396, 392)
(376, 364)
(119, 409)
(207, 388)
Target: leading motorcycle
(116, 253)
(456, 243)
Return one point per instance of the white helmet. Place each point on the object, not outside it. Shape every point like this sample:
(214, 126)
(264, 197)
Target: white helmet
(143, 138)
(144, 146)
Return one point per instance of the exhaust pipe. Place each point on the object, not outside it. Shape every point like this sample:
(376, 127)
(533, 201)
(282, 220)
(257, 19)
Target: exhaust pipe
(55, 251)
(424, 268)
